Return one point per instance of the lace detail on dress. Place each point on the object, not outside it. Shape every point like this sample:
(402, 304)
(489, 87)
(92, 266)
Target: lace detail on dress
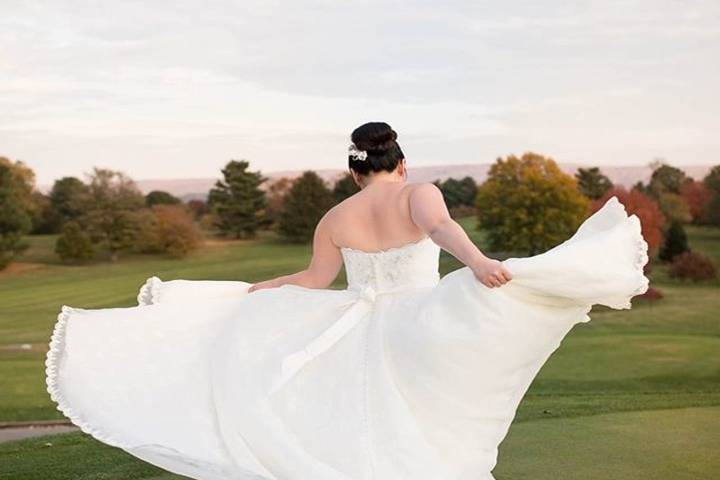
(53, 361)
(412, 264)
(149, 292)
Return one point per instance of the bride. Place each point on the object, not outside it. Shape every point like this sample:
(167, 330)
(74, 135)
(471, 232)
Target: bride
(402, 375)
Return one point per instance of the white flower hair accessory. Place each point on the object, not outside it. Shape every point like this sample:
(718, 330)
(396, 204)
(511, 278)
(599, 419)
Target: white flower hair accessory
(357, 154)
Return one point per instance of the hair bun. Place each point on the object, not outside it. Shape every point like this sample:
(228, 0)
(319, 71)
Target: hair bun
(378, 141)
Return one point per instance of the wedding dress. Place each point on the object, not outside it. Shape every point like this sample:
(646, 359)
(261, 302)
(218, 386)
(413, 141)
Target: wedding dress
(403, 375)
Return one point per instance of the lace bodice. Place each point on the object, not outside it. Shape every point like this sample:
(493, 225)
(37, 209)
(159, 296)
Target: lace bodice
(412, 265)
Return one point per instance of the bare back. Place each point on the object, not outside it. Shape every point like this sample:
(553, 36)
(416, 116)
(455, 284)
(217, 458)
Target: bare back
(376, 218)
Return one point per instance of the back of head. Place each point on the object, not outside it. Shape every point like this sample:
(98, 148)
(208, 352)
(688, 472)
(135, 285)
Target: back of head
(379, 141)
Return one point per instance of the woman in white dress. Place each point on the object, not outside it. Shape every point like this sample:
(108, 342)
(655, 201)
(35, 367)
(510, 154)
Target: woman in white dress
(403, 375)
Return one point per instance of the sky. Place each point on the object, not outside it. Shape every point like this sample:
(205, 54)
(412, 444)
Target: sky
(161, 89)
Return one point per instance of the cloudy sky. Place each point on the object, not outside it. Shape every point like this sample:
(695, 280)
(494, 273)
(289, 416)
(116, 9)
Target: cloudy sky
(164, 89)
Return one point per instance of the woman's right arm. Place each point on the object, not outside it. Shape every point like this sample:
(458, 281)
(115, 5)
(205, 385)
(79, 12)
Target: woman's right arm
(430, 214)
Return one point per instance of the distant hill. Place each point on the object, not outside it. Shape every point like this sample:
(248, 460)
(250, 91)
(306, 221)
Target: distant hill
(197, 188)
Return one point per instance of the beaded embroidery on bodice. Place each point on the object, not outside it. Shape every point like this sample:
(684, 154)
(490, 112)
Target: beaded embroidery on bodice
(411, 265)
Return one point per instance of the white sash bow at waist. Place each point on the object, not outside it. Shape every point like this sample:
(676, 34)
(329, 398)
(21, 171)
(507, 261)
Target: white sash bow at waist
(362, 305)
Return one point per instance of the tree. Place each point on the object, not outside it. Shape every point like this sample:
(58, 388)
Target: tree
(70, 198)
(675, 242)
(45, 219)
(237, 201)
(198, 208)
(696, 196)
(159, 197)
(652, 220)
(306, 202)
(15, 220)
(23, 183)
(528, 204)
(666, 179)
(177, 233)
(457, 193)
(115, 204)
(275, 196)
(665, 186)
(592, 183)
(73, 243)
(344, 188)
(673, 207)
(711, 214)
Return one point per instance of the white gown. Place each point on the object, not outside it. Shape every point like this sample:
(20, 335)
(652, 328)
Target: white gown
(403, 375)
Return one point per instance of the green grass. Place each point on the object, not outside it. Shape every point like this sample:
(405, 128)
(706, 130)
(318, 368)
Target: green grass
(680, 444)
(632, 394)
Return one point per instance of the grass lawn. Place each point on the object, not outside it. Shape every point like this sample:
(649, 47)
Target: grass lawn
(632, 394)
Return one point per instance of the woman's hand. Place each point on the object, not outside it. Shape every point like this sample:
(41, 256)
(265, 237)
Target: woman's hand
(491, 273)
(261, 285)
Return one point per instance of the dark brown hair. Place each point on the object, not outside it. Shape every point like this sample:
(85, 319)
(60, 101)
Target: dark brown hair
(379, 140)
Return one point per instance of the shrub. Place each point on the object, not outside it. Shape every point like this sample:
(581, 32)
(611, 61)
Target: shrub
(675, 242)
(693, 266)
(177, 233)
(73, 243)
(652, 294)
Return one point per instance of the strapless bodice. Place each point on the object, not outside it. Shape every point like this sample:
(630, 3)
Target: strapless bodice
(415, 264)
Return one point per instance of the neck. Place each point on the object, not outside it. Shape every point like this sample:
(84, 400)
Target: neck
(383, 177)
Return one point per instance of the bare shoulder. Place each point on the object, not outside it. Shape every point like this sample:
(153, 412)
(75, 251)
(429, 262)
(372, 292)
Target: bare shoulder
(424, 192)
(335, 215)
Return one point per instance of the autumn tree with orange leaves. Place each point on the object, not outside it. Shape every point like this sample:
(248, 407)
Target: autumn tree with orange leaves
(647, 210)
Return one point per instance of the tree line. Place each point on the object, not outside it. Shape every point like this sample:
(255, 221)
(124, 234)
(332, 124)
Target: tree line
(526, 205)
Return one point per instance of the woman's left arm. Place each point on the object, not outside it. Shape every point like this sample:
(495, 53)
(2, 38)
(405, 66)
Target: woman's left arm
(324, 266)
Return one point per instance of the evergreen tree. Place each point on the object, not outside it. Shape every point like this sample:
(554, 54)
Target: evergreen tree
(344, 188)
(592, 183)
(675, 242)
(237, 201)
(305, 204)
(73, 243)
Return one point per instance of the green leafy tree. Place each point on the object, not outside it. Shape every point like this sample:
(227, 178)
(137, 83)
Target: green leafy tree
(74, 244)
(70, 198)
(306, 202)
(675, 242)
(528, 204)
(45, 219)
(344, 188)
(665, 186)
(711, 211)
(237, 202)
(15, 220)
(592, 183)
(458, 193)
(673, 207)
(159, 197)
(114, 206)
(666, 179)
